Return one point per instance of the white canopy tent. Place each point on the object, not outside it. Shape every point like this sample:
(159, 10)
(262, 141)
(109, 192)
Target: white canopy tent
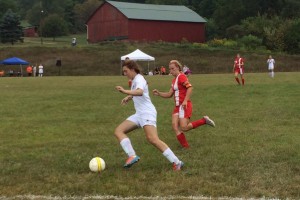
(138, 55)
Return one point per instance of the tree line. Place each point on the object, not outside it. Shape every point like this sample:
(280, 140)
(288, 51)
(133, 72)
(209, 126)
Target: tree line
(274, 24)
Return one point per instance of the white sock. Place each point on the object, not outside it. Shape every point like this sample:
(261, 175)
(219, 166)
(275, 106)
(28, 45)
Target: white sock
(168, 153)
(272, 74)
(127, 147)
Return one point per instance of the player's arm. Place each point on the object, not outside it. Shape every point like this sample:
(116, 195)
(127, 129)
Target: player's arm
(163, 94)
(233, 66)
(137, 92)
(188, 93)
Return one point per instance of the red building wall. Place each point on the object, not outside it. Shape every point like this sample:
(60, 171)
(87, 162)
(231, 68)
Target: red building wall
(106, 23)
(166, 31)
(30, 32)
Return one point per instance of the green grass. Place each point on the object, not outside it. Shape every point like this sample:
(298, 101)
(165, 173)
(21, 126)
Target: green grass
(51, 127)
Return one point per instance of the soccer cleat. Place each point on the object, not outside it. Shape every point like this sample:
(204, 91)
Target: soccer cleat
(131, 160)
(177, 167)
(208, 121)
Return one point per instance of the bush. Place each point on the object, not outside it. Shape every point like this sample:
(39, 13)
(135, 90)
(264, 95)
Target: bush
(250, 42)
(292, 38)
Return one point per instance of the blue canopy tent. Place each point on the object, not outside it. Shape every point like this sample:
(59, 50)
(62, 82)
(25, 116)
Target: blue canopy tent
(14, 61)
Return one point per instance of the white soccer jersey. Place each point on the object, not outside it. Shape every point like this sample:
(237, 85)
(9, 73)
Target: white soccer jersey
(271, 63)
(142, 104)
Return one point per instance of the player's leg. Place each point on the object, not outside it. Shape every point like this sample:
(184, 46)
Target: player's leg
(243, 79)
(179, 134)
(121, 134)
(152, 137)
(184, 119)
(241, 72)
(124, 128)
(236, 77)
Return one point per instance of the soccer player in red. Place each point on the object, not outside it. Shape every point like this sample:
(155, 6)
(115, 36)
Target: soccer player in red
(181, 89)
(238, 68)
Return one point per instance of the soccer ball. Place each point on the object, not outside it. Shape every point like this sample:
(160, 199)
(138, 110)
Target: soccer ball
(97, 164)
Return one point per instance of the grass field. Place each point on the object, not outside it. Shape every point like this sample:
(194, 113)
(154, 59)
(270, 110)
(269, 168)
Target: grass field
(51, 127)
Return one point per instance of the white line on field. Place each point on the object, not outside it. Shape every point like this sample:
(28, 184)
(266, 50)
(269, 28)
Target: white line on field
(110, 197)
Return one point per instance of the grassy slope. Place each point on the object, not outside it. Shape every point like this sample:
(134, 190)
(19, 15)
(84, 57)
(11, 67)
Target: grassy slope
(104, 58)
(51, 127)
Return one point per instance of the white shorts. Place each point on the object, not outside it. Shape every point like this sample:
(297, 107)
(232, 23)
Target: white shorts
(271, 67)
(141, 122)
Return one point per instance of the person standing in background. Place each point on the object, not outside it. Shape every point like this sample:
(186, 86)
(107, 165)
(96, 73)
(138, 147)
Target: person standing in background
(29, 70)
(34, 70)
(41, 70)
(271, 65)
(238, 68)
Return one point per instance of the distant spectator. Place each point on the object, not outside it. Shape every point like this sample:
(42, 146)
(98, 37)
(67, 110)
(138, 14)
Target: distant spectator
(11, 73)
(29, 70)
(41, 70)
(163, 70)
(186, 70)
(34, 71)
(2, 73)
(156, 71)
(150, 73)
(74, 42)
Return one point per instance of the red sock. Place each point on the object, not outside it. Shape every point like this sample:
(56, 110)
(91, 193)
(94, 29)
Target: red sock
(243, 81)
(199, 122)
(237, 80)
(182, 140)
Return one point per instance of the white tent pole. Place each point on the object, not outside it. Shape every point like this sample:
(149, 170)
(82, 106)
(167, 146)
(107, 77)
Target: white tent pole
(121, 68)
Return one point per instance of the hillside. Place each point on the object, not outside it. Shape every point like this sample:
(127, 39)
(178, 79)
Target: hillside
(104, 58)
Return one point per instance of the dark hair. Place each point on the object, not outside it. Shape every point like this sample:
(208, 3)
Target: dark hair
(131, 64)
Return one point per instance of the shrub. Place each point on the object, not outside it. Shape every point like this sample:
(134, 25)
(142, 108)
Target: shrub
(292, 38)
(250, 42)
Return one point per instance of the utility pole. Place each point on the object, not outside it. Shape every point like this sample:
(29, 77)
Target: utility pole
(41, 22)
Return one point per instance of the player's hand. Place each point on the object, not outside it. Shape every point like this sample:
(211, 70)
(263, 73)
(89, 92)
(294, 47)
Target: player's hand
(155, 92)
(184, 105)
(120, 89)
(125, 100)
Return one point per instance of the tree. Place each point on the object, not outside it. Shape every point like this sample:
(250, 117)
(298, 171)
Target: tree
(11, 31)
(54, 26)
(167, 2)
(83, 12)
(5, 5)
(292, 38)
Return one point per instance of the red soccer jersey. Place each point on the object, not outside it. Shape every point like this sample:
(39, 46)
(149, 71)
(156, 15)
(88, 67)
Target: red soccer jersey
(238, 63)
(180, 84)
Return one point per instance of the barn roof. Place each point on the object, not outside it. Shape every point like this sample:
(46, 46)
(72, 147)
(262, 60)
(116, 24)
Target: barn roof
(157, 12)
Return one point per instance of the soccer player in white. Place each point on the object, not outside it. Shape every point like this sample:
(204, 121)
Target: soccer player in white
(145, 117)
(271, 65)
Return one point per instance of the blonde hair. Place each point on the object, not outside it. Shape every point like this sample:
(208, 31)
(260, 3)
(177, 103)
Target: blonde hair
(177, 64)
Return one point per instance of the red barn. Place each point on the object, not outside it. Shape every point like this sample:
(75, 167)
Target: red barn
(30, 31)
(144, 22)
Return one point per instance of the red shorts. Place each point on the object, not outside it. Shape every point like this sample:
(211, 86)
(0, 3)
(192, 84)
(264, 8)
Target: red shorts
(239, 70)
(184, 113)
